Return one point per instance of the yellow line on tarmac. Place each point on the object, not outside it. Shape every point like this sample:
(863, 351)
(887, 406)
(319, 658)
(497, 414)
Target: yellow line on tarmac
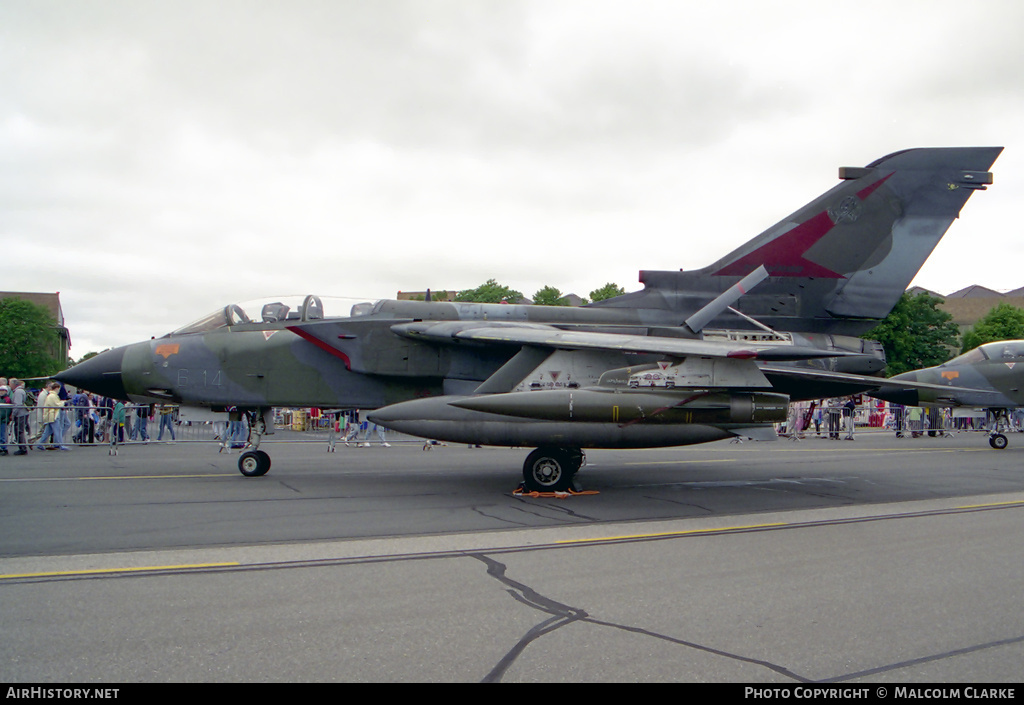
(849, 449)
(738, 528)
(114, 477)
(155, 477)
(685, 462)
(763, 450)
(674, 533)
(99, 571)
(992, 504)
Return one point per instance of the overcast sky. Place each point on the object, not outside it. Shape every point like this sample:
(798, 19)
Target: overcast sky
(161, 159)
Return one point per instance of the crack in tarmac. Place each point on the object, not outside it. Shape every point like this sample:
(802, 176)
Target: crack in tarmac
(563, 615)
(558, 508)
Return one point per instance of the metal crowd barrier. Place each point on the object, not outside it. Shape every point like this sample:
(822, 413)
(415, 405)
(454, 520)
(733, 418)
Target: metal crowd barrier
(87, 426)
(96, 426)
(829, 420)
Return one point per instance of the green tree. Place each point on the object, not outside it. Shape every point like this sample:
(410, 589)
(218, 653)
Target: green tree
(435, 296)
(87, 356)
(607, 291)
(550, 296)
(490, 292)
(1004, 322)
(916, 334)
(28, 340)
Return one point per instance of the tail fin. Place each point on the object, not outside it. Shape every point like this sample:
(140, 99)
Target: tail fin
(841, 262)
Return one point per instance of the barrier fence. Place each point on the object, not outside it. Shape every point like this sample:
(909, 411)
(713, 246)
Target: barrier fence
(140, 424)
(831, 420)
(171, 424)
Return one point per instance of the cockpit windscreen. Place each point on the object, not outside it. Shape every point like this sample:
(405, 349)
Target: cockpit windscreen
(279, 309)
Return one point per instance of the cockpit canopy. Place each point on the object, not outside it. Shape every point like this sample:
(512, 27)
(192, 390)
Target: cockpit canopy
(1000, 350)
(278, 309)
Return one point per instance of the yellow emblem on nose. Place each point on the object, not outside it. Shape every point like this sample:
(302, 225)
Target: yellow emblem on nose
(950, 375)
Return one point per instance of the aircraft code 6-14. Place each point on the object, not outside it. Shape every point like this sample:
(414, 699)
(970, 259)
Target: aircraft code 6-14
(63, 693)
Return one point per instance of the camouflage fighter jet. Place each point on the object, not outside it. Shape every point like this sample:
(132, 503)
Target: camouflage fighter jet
(829, 271)
(703, 391)
(989, 377)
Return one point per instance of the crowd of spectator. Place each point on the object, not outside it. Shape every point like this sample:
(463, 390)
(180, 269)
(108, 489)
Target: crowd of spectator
(51, 418)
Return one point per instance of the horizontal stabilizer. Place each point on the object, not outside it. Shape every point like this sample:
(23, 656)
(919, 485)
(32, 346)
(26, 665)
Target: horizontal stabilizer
(840, 383)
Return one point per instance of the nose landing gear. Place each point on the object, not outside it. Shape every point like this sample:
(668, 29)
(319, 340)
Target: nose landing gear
(255, 462)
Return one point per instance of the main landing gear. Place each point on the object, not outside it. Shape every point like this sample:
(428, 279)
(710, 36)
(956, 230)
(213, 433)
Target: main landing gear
(552, 469)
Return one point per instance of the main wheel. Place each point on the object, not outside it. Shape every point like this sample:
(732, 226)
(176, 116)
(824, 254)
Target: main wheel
(998, 441)
(551, 469)
(254, 463)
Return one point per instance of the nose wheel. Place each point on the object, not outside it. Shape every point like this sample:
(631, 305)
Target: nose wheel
(254, 463)
(998, 441)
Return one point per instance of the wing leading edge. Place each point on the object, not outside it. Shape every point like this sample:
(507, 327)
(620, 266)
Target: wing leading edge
(558, 339)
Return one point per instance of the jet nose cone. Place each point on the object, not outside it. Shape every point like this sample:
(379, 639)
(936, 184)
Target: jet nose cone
(100, 375)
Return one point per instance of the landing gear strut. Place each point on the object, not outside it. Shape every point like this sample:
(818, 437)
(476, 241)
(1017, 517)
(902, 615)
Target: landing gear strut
(997, 439)
(255, 462)
(552, 469)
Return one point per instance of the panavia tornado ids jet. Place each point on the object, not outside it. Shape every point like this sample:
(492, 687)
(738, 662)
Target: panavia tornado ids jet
(672, 364)
(989, 377)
